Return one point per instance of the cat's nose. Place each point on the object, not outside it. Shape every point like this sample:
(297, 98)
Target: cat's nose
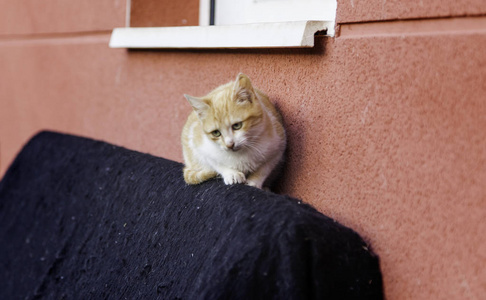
(229, 142)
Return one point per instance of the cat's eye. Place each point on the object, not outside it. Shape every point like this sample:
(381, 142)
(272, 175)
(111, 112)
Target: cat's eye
(237, 126)
(216, 133)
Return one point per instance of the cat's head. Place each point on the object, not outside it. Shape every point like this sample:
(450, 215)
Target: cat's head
(230, 115)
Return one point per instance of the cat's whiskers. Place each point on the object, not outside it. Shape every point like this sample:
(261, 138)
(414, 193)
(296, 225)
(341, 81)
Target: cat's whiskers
(253, 146)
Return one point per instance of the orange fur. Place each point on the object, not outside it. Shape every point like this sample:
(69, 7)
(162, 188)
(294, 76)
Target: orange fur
(234, 131)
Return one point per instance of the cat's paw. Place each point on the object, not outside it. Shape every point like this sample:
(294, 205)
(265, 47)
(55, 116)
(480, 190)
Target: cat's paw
(233, 177)
(254, 183)
(197, 176)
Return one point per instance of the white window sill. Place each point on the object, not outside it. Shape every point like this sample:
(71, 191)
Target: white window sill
(257, 35)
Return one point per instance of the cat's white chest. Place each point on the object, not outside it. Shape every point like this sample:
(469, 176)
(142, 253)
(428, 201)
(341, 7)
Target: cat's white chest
(243, 160)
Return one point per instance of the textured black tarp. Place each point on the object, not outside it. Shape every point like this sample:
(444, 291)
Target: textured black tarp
(83, 219)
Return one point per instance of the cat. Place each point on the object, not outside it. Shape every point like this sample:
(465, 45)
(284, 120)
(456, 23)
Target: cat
(234, 132)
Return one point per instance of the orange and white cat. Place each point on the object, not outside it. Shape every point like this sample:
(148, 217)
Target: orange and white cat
(235, 132)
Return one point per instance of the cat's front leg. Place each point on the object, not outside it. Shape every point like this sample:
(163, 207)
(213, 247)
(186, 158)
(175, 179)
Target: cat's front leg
(257, 178)
(197, 176)
(231, 176)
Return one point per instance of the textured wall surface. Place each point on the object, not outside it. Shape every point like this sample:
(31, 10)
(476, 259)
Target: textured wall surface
(385, 123)
(24, 17)
(349, 11)
(150, 13)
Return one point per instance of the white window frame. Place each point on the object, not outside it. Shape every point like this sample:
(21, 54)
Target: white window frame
(204, 12)
(286, 34)
(231, 12)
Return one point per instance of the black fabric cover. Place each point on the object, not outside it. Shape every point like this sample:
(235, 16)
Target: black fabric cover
(83, 219)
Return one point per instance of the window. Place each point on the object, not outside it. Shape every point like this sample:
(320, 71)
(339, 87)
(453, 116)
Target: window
(239, 24)
(230, 12)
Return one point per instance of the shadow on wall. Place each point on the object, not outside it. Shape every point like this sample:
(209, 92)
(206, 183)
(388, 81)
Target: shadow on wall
(295, 130)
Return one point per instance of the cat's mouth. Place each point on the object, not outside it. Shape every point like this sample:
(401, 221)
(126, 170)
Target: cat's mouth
(233, 148)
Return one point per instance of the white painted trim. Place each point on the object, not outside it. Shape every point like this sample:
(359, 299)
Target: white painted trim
(204, 8)
(258, 35)
(229, 12)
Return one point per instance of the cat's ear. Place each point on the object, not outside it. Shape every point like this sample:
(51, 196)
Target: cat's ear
(198, 104)
(243, 90)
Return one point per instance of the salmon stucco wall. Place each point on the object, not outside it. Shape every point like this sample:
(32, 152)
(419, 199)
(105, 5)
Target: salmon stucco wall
(349, 11)
(385, 121)
(150, 13)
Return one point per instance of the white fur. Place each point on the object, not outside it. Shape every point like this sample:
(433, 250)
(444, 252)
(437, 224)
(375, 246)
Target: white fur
(253, 153)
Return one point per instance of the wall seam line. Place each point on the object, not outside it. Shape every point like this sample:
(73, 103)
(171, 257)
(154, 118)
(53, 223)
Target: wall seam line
(52, 35)
(412, 26)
